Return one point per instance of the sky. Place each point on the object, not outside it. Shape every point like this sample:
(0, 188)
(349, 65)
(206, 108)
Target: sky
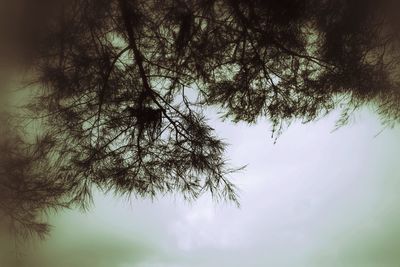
(316, 197)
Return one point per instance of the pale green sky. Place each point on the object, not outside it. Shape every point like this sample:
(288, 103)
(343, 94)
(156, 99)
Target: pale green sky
(315, 198)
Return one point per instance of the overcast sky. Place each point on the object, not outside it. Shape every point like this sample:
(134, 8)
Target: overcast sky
(315, 198)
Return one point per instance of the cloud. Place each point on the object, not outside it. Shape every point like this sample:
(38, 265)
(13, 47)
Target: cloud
(313, 199)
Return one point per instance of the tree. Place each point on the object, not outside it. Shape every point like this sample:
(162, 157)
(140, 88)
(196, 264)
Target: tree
(123, 83)
(29, 185)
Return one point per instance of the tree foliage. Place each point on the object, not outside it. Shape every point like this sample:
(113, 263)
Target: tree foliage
(29, 184)
(117, 81)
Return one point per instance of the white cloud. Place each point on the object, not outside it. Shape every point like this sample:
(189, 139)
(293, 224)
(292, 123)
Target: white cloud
(300, 197)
